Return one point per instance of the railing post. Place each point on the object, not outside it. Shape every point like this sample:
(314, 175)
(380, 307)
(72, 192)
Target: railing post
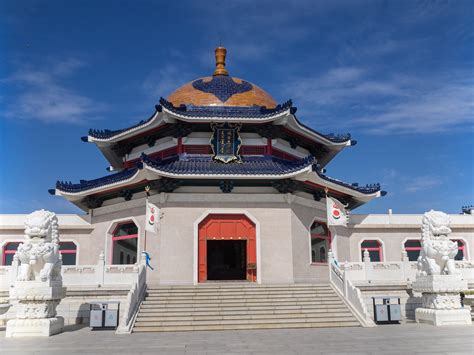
(14, 270)
(405, 265)
(330, 263)
(101, 269)
(367, 265)
(143, 258)
(345, 270)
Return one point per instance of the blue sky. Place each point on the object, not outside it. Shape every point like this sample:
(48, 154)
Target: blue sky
(397, 75)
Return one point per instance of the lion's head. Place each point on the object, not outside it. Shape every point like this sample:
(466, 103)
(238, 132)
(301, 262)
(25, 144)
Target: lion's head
(41, 226)
(438, 223)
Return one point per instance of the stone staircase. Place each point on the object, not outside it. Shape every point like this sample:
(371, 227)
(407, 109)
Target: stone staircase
(223, 306)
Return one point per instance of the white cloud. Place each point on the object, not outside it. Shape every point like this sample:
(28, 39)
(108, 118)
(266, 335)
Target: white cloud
(41, 96)
(433, 110)
(422, 183)
(161, 83)
(382, 104)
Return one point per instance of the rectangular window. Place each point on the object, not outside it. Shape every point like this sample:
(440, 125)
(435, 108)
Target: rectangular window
(68, 252)
(413, 248)
(374, 247)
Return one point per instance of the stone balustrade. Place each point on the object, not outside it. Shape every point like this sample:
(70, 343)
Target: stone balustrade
(78, 275)
(403, 270)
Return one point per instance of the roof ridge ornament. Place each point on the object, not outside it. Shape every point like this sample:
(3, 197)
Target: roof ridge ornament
(220, 53)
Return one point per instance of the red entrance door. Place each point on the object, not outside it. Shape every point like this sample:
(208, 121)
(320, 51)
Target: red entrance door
(227, 227)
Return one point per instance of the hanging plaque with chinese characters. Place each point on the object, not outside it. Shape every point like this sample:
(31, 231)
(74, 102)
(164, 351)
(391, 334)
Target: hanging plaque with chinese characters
(226, 142)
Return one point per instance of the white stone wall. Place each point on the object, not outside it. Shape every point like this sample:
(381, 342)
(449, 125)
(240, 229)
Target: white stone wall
(75, 308)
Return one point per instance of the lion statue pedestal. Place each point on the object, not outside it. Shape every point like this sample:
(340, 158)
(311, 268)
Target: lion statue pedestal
(39, 287)
(437, 278)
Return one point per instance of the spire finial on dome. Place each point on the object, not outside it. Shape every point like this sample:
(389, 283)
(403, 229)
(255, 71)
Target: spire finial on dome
(220, 53)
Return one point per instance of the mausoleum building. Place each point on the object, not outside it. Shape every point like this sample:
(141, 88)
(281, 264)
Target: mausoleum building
(241, 188)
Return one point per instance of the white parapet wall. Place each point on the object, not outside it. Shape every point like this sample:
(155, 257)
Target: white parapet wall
(86, 284)
(377, 279)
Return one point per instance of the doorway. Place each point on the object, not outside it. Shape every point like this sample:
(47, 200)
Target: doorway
(226, 259)
(227, 248)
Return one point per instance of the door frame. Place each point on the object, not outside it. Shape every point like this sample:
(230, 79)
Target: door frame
(226, 211)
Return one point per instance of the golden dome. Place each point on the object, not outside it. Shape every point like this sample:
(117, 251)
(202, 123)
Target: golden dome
(221, 90)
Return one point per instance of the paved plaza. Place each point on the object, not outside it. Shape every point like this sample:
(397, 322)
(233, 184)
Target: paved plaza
(388, 339)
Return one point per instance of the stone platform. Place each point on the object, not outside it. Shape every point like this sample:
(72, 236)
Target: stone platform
(387, 340)
(441, 300)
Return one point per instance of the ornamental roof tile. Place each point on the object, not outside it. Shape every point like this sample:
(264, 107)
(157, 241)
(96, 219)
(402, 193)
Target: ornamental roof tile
(367, 189)
(205, 165)
(84, 185)
(227, 111)
(231, 112)
(188, 165)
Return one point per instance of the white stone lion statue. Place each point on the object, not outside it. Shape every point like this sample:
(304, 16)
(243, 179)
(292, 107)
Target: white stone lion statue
(437, 251)
(39, 254)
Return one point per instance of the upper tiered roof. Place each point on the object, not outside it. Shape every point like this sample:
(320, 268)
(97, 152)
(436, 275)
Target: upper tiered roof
(221, 90)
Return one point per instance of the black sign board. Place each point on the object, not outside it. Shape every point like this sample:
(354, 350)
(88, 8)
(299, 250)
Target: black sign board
(226, 142)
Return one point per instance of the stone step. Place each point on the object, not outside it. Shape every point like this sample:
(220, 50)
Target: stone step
(317, 324)
(241, 294)
(248, 286)
(234, 301)
(253, 297)
(256, 298)
(160, 319)
(231, 291)
(244, 321)
(215, 312)
(194, 308)
(241, 306)
(193, 289)
(244, 284)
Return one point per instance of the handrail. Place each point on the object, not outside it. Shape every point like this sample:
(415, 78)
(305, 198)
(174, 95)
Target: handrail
(134, 299)
(350, 294)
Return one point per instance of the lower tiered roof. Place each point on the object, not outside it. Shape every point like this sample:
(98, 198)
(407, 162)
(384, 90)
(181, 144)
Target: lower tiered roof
(303, 175)
(188, 165)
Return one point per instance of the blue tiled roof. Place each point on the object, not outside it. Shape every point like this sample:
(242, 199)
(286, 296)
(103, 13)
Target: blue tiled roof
(245, 112)
(108, 133)
(193, 165)
(205, 165)
(227, 111)
(255, 112)
(85, 185)
(367, 189)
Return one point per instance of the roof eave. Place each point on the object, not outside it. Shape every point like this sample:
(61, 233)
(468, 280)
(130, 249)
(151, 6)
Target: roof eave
(293, 174)
(188, 118)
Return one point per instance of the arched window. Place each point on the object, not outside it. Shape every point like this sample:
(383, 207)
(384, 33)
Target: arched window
(374, 247)
(413, 247)
(461, 250)
(68, 252)
(9, 250)
(124, 241)
(320, 242)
